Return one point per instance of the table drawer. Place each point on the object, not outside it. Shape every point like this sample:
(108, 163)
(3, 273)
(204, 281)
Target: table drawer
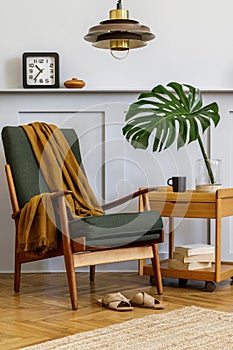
(185, 209)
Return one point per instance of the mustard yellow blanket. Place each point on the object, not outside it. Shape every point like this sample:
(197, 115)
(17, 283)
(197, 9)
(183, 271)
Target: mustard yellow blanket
(61, 171)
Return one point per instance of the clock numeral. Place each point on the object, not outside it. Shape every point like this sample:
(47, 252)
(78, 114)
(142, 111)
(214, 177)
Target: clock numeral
(41, 60)
(31, 65)
(30, 76)
(46, 81)
(51, 71)
(30, 70)
(35, 60)
(51, 65)
(51, 77)
(41, 81)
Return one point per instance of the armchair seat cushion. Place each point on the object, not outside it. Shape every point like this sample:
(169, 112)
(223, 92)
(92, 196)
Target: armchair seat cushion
(117, 229)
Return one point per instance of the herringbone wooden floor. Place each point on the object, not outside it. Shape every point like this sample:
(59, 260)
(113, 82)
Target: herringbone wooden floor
(41, 311)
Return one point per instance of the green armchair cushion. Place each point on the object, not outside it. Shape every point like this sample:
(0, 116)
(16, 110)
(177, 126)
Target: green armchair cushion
(117, 229)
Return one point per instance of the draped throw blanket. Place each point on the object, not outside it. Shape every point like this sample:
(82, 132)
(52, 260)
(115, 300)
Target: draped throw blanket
(37, 227)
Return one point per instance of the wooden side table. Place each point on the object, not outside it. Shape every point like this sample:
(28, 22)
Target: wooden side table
(192, 204)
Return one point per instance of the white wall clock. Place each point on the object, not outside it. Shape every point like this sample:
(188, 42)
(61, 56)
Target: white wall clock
(40, 70)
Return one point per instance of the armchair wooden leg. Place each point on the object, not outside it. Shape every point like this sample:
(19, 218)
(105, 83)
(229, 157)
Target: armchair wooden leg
(70, 272)
(92, 273)
(17, 275)
(68, 256)
(156, 268)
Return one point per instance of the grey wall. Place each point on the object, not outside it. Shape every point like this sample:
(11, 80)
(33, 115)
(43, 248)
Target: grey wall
(193, 42)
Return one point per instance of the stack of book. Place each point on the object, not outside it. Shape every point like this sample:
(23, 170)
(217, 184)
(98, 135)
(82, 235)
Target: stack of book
(193, 257)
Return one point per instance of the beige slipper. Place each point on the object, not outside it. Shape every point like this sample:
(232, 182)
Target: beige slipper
(115, 301)
(143, 299)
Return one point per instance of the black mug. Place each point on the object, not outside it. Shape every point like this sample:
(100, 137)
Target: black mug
(178, 183)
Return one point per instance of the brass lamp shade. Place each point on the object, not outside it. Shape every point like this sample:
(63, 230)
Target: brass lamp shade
(119, 33)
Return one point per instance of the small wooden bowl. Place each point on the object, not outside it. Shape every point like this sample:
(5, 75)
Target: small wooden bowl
(74, 83)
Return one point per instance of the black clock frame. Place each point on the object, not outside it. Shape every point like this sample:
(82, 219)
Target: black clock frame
(40, 54)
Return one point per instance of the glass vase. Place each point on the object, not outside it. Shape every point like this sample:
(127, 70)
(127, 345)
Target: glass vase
(208, 175)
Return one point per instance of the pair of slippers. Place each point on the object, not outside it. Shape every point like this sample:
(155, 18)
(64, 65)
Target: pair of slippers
(118, 302)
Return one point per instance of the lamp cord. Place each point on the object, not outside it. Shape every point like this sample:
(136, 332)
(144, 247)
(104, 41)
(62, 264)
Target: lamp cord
(119, 4)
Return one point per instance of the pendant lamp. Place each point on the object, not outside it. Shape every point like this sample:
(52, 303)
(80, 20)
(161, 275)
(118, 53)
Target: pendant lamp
(119, 33)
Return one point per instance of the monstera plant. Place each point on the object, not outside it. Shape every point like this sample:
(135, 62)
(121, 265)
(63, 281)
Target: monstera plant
(170, 113)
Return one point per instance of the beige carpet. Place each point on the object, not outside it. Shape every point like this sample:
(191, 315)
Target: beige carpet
(183, 329)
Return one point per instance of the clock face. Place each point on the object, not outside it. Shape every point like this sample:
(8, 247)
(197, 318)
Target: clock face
(40, 70)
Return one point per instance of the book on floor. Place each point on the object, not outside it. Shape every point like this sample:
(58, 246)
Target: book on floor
(194, 249)
(176, 264)
(199, 257)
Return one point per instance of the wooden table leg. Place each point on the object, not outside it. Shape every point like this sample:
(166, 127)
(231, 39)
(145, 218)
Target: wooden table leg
(218, 234)
(171, 237)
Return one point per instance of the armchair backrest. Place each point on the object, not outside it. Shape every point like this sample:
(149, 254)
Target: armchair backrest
(25, 171)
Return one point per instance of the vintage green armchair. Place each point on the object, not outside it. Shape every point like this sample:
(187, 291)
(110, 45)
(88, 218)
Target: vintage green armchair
(88, 241)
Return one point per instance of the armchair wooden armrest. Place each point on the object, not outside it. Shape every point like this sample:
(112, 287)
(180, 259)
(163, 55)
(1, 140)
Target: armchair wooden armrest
(107, 206)
(127, 198)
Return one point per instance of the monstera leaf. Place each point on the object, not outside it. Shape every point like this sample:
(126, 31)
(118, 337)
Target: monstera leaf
(166, 114)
